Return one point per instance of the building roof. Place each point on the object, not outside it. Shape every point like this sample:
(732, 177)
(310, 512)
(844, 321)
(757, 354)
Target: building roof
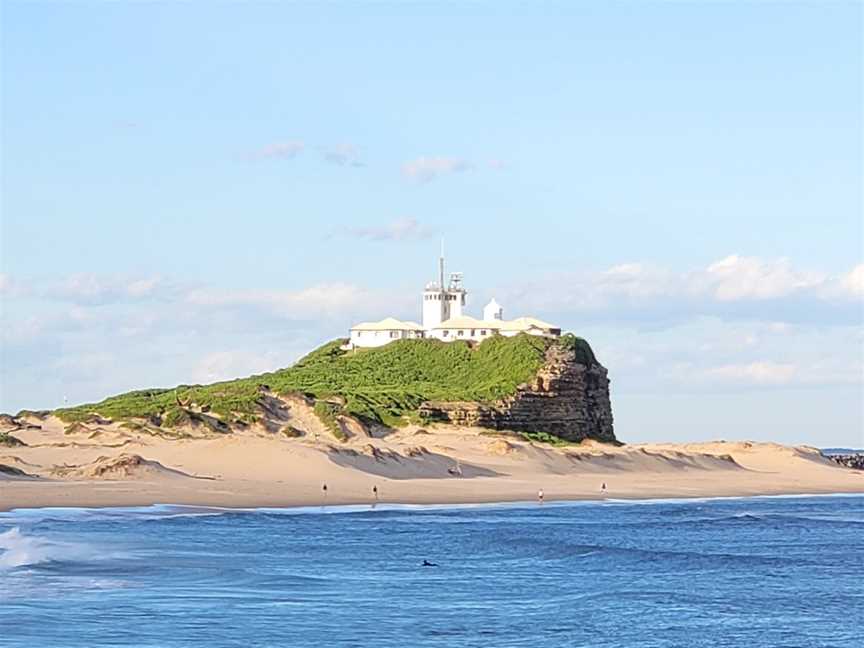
(518, 324)
(387, 324)
(468, 322)
(525, 323)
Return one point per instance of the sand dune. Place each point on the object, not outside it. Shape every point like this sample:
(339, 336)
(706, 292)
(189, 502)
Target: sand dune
(411, 463)
(124, 466)
(100, 463)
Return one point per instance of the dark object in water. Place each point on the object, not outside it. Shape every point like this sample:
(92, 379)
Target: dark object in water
(426, 563)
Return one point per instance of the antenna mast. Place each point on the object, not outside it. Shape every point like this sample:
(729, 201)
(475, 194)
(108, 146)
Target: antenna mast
(441, 267)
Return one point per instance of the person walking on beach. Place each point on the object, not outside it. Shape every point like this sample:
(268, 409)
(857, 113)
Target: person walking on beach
(603, 488)
(540, 496)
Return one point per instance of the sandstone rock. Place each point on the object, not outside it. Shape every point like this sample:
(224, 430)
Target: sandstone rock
(500, 447)
(567, 398)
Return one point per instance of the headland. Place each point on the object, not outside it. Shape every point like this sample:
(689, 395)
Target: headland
(415, 421)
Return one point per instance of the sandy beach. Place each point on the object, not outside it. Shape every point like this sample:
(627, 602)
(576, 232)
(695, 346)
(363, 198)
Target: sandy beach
(109, 465)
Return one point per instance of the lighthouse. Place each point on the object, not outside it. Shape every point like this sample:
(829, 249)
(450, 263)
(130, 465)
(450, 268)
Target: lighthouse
(443, 301)
(444, 319)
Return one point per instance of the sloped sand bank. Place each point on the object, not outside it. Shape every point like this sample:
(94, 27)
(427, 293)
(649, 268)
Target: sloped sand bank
(260, 467)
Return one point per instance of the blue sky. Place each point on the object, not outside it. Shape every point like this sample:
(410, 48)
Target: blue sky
(194, 192)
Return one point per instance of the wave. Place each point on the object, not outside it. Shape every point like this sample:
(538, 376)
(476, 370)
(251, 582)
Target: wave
(782, 518)
(558, 551)
(723, 498)
(168, 511)
(19, 550)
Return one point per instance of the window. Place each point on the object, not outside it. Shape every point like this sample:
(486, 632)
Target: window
(394, 334)
(473, 332)
(461, 333)
(483, 332)
(446, 333)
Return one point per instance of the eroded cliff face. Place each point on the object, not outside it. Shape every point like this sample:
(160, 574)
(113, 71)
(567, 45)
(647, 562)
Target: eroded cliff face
(568, 398)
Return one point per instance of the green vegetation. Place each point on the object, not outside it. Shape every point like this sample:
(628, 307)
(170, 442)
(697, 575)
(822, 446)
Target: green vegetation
(534, 437)
(385, 385)
(152, 430)
(10, 441)
(328, 414)
(584, 353)
(291, 432)
(545, 437)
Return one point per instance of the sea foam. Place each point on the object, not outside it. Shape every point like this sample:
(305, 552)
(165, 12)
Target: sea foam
(20, 550)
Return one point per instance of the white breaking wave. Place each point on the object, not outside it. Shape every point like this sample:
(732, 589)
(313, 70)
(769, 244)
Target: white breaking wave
(20, 550)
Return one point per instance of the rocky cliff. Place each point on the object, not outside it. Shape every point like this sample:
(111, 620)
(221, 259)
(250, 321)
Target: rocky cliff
(569, 397)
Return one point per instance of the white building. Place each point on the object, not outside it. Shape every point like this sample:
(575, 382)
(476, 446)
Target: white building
(469, 328)
(443, 319)
(375, 334)
(493, 311)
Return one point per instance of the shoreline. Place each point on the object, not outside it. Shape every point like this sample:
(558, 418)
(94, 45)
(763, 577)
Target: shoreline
(172, 509)
(34, 495)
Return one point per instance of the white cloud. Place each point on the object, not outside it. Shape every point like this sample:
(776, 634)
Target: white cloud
(86, 288)
(142, 287)
(634, 280)
(852, 283)
(9, 287)
(280, 150)
(736, 277)
(760, 372)
(332, 300)
(425, 169)
(736, 287)
(397, 230)
(342, 155)
(238, 363)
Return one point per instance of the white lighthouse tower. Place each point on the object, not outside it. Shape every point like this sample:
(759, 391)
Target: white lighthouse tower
(443, 301)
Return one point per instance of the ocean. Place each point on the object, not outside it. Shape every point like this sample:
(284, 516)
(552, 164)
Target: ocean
(754, 572)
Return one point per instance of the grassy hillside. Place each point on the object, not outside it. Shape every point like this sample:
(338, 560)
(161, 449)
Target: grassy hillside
(383, 385)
